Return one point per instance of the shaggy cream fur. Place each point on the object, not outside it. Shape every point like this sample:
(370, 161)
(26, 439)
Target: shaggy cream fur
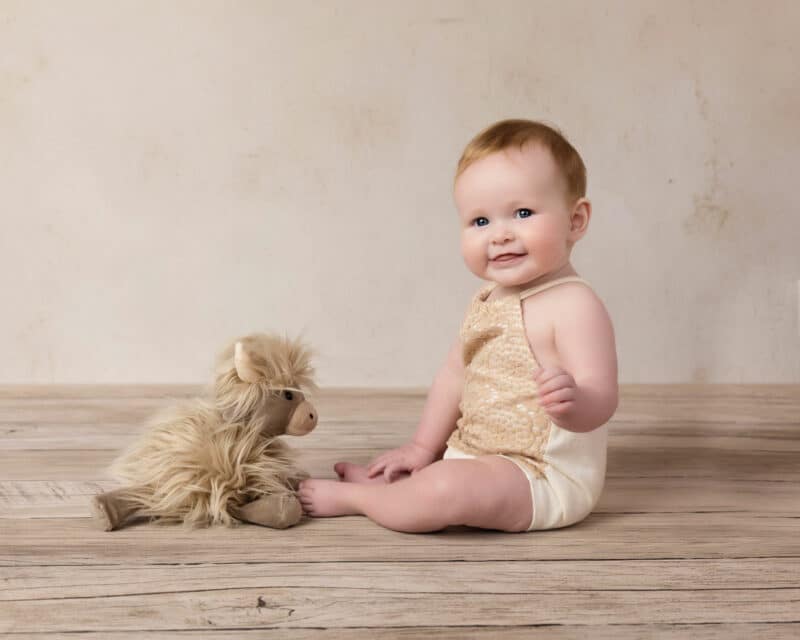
(201, 461)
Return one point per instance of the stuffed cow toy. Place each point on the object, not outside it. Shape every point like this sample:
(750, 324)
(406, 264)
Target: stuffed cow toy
(220, 460)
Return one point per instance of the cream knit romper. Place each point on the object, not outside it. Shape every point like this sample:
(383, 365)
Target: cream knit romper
(501, 416)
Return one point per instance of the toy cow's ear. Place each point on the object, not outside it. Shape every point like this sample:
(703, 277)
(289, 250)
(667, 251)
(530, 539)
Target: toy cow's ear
(244, 366)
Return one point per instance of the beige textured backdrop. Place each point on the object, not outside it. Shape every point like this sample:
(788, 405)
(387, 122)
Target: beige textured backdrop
(173, 174)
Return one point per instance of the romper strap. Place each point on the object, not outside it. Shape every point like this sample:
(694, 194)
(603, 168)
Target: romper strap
(552, 283)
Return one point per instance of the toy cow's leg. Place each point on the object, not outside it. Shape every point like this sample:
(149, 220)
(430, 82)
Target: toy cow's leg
(277, 511)
(115, 509)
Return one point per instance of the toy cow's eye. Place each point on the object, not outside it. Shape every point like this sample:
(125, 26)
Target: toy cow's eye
(288, 395)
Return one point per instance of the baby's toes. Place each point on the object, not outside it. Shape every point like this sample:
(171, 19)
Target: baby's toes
(304, 491)
(304, 494)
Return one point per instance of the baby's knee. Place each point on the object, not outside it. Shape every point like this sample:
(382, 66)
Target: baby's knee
(445, 491)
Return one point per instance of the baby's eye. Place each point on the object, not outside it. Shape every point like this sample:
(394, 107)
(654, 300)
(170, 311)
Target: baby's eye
(480, 222)
(288, 395)
(524, 213)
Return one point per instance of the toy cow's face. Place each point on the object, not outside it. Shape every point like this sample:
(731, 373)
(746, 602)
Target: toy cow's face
(288, 412)
(248, 387)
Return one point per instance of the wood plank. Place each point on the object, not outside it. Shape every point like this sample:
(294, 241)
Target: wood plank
(623, 461)
(688, 437)
(429, 576)
(16, 392)
(731, 403)
(371, 434)
(639, 403)
(702, 462)
(88, 436)
(286, 607)
(98, 403)
(355, 538)
(70, 499)
(702, 631)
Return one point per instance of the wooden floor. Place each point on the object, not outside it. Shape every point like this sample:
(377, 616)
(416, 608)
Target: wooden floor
(697, 534)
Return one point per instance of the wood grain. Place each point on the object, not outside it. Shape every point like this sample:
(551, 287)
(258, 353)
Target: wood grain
(696, 535)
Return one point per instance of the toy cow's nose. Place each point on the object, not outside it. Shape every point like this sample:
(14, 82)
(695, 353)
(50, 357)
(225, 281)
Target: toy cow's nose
(303, 419)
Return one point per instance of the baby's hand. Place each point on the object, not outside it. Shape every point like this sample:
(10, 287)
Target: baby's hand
(408, 458)
(557, 391)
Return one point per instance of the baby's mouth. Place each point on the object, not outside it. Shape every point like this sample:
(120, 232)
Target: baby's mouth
(507, 257)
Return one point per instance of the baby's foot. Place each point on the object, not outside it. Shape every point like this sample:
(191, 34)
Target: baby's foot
(324, 498)
(349, 472)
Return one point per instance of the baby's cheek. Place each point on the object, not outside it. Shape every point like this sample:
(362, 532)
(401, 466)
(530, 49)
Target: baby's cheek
(473, 258)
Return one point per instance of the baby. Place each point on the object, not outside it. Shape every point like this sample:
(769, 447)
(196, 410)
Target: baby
(514, 430)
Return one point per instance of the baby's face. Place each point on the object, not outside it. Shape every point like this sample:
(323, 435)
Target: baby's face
(515, 216)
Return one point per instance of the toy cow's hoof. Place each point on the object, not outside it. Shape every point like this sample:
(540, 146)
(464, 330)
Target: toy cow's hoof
(275, 511)
(115, 509)
(100, 518)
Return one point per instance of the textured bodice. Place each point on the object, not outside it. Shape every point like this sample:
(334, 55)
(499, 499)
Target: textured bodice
(499, 410)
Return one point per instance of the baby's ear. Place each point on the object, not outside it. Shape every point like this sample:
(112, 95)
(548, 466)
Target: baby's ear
(244, 365)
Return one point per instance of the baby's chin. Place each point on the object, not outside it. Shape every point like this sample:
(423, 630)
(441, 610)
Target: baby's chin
(509, 278)
(503, 277)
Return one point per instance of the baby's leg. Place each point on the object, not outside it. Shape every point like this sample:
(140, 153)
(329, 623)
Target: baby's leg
(488, 492)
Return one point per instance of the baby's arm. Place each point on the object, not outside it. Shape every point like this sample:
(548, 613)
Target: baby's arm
(580, 392)
(437, 422)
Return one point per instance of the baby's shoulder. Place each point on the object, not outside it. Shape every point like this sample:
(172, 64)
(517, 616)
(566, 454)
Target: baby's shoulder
(563, 301)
